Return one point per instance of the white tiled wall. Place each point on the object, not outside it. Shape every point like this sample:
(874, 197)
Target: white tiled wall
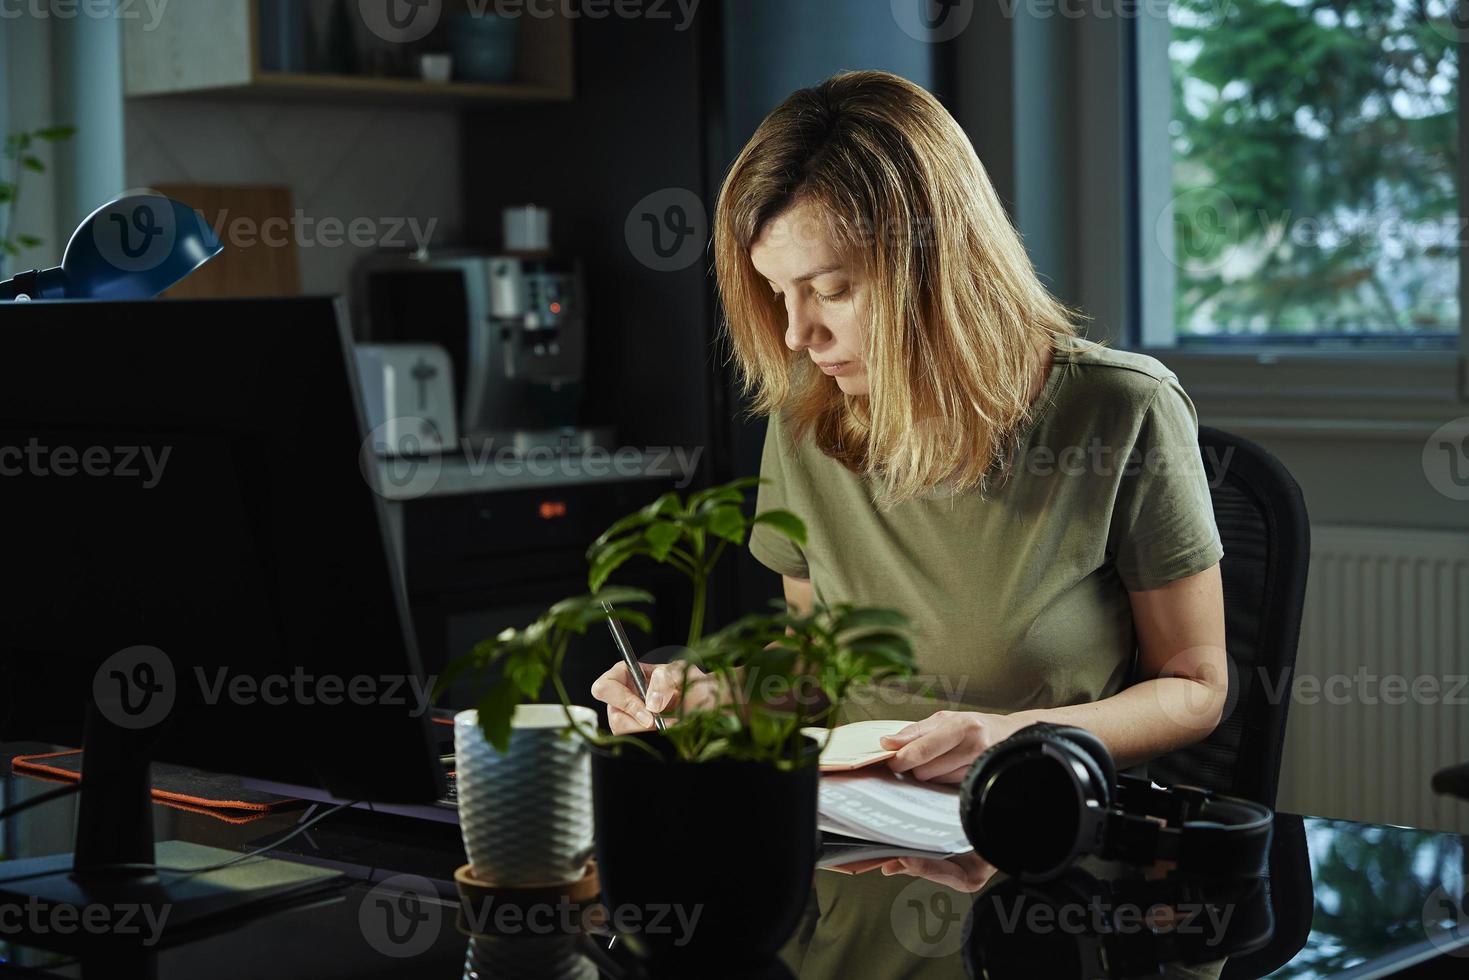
(340, 161)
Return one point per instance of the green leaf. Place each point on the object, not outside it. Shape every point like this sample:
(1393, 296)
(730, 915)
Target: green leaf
(668, 505)
(496, 710)
(728, 523)
(661, 536)
(785, 522)
(619, 526)
(29, 241)
(609, 559)
(9, 247)
(578, 613)
(621, 594)
(770, 729)
(527, 670)
(33, 163)
(713, 749)
(885, 651)
(55, 134)
(732, 492)
(7, 192)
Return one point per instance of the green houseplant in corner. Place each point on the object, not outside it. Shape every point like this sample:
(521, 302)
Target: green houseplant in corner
(20, 158)
(712, 821)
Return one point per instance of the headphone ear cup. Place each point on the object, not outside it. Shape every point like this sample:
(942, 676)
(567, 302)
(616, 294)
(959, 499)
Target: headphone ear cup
(1093, 749)
(1090, 749)
(1011, 781)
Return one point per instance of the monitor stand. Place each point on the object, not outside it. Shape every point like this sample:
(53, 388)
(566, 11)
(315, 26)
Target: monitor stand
(77, 900)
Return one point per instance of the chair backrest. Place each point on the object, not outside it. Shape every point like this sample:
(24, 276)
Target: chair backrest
(1262, 523)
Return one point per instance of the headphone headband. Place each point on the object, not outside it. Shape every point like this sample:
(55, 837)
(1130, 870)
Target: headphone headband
(1201, 832)
(1048, 794)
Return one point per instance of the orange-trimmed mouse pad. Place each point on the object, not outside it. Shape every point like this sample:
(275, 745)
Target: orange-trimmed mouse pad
(193, 790)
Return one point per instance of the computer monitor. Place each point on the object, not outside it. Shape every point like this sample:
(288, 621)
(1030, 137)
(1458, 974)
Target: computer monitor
(195, 567)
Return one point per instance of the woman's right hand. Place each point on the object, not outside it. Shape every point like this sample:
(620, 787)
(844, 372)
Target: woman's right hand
(626, 711)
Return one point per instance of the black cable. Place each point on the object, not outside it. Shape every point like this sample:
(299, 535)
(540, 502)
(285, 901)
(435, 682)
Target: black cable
(300, 828)
(46, 797)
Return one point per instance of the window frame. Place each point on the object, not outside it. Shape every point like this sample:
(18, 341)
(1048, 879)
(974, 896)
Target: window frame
(1329, 370)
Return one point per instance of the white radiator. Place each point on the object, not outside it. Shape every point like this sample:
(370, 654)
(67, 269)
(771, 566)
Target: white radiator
(1381, 696)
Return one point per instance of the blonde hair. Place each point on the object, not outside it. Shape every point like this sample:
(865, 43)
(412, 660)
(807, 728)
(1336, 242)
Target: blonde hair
(957, 321)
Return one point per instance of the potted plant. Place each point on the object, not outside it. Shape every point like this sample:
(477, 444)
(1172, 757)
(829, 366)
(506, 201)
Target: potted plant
(706, 832)
(19, 154)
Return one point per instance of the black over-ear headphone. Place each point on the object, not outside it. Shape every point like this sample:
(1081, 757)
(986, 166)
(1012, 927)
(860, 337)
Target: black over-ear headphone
(1085, 926)
(1049, 794)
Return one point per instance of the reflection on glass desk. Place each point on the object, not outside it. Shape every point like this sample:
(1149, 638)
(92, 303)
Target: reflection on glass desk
(1342, 898)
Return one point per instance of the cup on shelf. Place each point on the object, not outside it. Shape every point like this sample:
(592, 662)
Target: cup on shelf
(484, 47)
(436, 66)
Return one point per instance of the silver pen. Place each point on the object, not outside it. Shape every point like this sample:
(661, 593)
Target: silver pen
(619, 636)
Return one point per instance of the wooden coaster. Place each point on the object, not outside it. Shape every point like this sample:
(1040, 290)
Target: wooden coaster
(503, 910)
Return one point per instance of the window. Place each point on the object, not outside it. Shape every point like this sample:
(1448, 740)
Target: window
(1298, 176)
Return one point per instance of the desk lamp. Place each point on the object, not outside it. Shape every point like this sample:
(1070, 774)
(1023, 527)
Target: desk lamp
(134, 247)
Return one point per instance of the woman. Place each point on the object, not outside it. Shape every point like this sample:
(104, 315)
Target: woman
(1034, 502)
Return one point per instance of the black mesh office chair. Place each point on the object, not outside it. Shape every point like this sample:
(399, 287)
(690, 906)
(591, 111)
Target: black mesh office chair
(1267, 545)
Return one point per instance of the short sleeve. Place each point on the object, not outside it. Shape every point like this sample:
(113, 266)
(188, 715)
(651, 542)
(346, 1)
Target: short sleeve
(1163, 525)
(771, 548)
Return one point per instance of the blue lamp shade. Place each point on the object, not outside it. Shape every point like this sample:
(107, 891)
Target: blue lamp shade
(132, 248)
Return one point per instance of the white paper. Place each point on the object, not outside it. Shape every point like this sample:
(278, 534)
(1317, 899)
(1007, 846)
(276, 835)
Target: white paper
(877, 805)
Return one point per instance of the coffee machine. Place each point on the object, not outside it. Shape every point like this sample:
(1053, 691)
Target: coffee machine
(514, 327)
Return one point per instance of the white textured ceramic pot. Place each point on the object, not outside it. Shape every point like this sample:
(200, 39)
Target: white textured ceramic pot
(526, 816)
(548, 957)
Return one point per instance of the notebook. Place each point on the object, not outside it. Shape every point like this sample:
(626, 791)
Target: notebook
(885, 808)
(856, 745)
(849, 856)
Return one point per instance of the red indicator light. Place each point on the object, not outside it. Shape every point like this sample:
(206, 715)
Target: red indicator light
(552, 508)
(555, 307)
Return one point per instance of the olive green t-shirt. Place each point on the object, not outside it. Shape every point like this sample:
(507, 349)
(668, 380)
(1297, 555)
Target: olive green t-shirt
(1018, 594)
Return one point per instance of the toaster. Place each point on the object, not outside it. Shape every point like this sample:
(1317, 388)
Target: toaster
(408, 392)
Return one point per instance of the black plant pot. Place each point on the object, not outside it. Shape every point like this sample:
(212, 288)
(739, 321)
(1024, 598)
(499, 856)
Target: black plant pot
(731, 842)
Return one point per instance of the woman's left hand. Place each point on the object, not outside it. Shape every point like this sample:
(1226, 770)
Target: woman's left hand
(941, 747)
(962, 872)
